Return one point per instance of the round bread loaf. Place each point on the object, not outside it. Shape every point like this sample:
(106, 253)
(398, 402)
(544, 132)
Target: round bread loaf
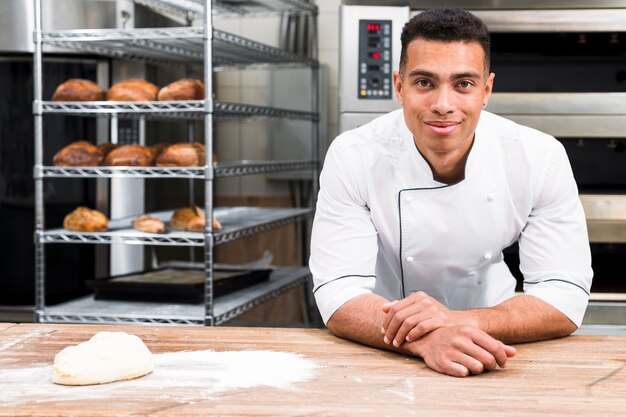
(191, 219)
(149, 224)
(84, 219)
(80, 153)
(183, 89)
(131, 155)
(181, 155)
(158, 148)
(78, 89)
(133, 90)
(105, 148)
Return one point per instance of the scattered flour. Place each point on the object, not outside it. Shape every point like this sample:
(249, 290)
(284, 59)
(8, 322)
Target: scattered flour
(408, 394)
(180, 376)
(11, 343)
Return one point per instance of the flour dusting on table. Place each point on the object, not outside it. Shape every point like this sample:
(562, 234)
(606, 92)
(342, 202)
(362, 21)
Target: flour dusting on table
(179, 376)
(16, 343)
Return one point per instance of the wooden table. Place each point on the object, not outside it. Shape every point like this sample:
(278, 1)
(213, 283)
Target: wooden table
(577, 375)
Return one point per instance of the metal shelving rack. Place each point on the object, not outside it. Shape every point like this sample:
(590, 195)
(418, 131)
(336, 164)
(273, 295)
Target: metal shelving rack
(174, 45)
(216, 51)
(167, 110)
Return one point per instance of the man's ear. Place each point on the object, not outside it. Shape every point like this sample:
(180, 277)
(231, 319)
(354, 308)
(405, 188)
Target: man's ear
(397, 85)
(488, 88)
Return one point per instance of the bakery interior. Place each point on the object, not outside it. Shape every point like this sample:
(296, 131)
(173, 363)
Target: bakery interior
(281, 90)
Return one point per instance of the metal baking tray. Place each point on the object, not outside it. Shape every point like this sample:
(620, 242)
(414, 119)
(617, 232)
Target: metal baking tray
(174, 285)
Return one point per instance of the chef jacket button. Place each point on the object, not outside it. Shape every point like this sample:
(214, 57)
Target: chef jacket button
(479, 282)
(410, 259)
(490, 197)
(487, 256)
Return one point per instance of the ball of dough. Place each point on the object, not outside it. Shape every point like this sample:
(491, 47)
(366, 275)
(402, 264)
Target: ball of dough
(106, 357)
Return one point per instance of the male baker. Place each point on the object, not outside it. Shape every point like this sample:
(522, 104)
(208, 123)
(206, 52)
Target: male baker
(416, 207)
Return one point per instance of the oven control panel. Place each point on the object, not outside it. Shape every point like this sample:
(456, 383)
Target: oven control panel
(374, 69)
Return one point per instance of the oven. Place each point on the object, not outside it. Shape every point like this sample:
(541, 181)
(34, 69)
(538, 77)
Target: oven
(560, 67)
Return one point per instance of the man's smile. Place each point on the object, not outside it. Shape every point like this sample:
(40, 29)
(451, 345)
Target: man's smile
(442, 127)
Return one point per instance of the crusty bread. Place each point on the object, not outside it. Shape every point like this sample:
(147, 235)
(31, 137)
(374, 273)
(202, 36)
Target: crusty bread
(149, 224)
(181, 155)
(133, 90)
(131, 155)
(80, 153)
(157, 148)
(183, 89)
(84, 219)
(77, 89)
(191, 219)
(105, 148)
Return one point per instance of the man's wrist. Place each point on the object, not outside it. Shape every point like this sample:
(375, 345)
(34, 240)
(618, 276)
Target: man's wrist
(467, 317)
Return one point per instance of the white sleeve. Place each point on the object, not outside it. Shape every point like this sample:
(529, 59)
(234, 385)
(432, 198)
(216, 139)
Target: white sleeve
(344, 242)
(555, 257)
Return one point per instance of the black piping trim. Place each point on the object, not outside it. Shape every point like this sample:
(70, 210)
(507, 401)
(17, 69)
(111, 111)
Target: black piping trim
(561, 280)
(400, 224)
(345, 276)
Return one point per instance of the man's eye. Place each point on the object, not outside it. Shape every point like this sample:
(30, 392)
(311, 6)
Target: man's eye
(465, 84)
(422, 83)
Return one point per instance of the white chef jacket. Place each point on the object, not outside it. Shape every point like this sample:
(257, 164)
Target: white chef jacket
(384, 226)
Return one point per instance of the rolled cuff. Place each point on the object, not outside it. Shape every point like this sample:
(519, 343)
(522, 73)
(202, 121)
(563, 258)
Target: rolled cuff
(332, 294)
(568, 298)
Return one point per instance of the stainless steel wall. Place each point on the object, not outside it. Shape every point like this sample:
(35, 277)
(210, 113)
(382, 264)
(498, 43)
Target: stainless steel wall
(17, 20)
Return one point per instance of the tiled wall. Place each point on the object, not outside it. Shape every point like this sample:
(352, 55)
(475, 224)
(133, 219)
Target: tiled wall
(249, 140)
(328, 23)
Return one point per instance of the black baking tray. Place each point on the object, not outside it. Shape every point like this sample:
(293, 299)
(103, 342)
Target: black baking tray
(174, 285)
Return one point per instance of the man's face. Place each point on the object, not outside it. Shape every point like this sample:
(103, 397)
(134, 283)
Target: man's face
(442, 90)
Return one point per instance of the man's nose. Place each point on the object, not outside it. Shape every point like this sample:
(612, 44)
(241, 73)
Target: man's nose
(442, 101)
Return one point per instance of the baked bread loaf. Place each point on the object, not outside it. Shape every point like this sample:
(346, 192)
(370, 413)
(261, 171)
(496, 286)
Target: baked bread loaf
(149, 224)
(80, 153)
(157, 148)
(133, 90)
(84, 219)
(191, 219)
(77, 89)
(183, 89)
(181, 155)
(105, 148)
(131, 155)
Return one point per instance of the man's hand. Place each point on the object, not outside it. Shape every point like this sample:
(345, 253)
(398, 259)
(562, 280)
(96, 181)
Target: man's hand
(416, 315)
(461, 350)
(458, 350)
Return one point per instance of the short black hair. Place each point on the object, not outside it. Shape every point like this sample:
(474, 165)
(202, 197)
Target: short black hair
(446, 25)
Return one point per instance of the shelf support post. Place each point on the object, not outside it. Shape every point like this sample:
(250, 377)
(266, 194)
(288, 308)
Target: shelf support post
(208, 181)
(40, 290)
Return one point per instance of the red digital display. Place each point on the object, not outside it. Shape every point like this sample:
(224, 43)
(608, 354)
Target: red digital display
(373, 27)
(375, 55)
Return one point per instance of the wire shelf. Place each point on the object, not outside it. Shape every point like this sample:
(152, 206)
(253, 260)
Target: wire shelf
(88, 310)
(168, 110)
(223, 169)
(123, 172)
(185, 11)
(179, 45)
(240, 168)
(237, 223)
